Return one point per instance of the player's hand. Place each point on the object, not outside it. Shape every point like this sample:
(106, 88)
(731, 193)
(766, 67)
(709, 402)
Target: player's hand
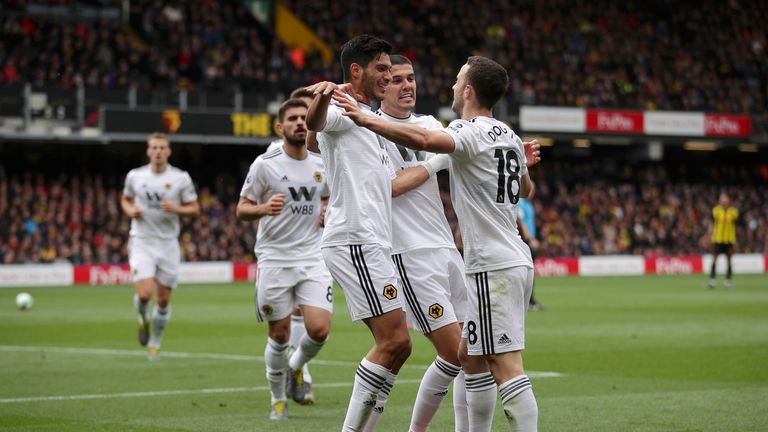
(321, 219)
(532, 152)
(169, 206)
(275, 204)
(324, 88)
(134, 213)
(350, 107)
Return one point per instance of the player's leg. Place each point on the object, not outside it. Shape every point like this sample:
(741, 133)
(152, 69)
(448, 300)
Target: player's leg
(276, 362)
(367, 276)
(505, 359)
(729, 269)
(712, 280)
(161, 315)
(438, 376)
(314, 295)
(425, 277)
(480, 389)
(274, 303)
(298, 330)
(143, 271)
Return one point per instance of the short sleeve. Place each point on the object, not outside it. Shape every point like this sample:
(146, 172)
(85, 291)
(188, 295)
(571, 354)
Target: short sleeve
(188, 193)
(523, 158)
(335, 121)
(129, 188)
(464, 139)
(254, 185)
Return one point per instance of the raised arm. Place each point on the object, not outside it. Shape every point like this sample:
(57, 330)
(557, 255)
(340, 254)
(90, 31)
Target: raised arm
(411, 136)
(250, 210)
(318, 109)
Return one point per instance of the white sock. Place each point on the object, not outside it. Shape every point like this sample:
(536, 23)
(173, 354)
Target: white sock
(481, 401)
(307, 350)
(460, 412)
(298, 330)
(141, 308)
(520, 404)
(276, 359)
(160, 318)
(381, 402)
(432, 390)
(369, 379)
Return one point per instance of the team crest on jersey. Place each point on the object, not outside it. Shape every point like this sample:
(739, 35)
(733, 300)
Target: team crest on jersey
(318, 176)
(168, 186)
(436, 310)
(390, 292)
(267, 309)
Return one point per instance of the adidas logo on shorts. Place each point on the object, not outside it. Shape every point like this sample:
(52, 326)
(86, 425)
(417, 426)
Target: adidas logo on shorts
(504, 339)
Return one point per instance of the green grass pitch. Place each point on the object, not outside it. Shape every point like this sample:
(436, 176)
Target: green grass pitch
(651, 353)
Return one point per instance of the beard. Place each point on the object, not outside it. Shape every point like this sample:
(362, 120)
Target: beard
(369, 88)
(294, 140)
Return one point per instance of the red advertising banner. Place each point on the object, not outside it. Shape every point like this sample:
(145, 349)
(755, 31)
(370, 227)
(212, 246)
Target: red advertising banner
(727, 125)
(102, 274)
(243, 272)
(673, 265)
(614, 121)
(556, 266)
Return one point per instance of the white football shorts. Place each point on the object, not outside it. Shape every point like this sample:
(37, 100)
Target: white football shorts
(434, 287)
(280, 289)
(155, 258)
(367, 277)
(497, 303)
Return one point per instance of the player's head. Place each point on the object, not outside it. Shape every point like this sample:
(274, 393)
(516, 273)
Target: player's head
(400, 98)
(481, 80)
(291, 121)
(366, 64)
(303, 94)
(724, 199)
(158, 149)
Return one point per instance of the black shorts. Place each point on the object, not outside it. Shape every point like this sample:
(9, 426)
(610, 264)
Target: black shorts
(723, 248)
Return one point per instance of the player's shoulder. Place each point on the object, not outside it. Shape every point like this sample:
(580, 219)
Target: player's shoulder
(271, 154)
(176, 171)
(144, 169)
(427, 121)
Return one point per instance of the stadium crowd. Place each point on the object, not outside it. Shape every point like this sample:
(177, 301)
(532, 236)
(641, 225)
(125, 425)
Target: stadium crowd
(651, 55)
(78, 218)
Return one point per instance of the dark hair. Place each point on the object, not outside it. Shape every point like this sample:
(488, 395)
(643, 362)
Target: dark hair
(301, 92)
(362, 50)
(488, 78)
(398, 59)
(290, 103)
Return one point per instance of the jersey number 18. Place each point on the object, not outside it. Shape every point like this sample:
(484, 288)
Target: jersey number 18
(509, 176)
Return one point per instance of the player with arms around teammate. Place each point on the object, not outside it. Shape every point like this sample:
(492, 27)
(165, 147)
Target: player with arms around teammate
(724, 217)
(488, 167)
(356, 241)
(154, 197)
(431, 270)
(284, 190)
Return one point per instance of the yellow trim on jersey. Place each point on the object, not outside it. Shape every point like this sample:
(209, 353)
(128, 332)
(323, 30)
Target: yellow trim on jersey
(724, 230)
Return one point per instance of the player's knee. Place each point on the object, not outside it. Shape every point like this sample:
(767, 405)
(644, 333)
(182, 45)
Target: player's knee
(399, 345)
(162, 303)
(318, 332)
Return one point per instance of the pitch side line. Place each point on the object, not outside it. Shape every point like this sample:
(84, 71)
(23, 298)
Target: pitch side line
(206, 356)
(169, 393)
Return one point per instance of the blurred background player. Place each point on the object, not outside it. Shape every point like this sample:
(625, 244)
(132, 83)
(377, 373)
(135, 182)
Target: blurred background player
(488, 170)
(526, 223)
(724, 217)
(430, 268)
(154, 197)
(303, 395)
(285, 190)
(357, 238)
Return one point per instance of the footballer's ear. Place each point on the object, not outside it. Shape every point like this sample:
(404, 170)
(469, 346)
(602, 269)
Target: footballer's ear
(355, 70)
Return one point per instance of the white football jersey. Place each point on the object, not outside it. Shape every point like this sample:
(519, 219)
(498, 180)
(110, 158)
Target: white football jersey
(359, 179)
(418, 217)
(291, 238)
(486, 167)
(148, 189)
(273, 145)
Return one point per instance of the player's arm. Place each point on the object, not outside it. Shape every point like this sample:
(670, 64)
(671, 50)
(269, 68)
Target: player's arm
(323, 209)
(523, 230)
(526, 186)
(191, 208)
(318, 110)
(311, 140)
(251, 210)
(413, 177)
(411, 136)
(129, 207)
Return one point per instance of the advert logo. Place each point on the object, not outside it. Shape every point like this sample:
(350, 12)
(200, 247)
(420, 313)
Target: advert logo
(171, 120)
